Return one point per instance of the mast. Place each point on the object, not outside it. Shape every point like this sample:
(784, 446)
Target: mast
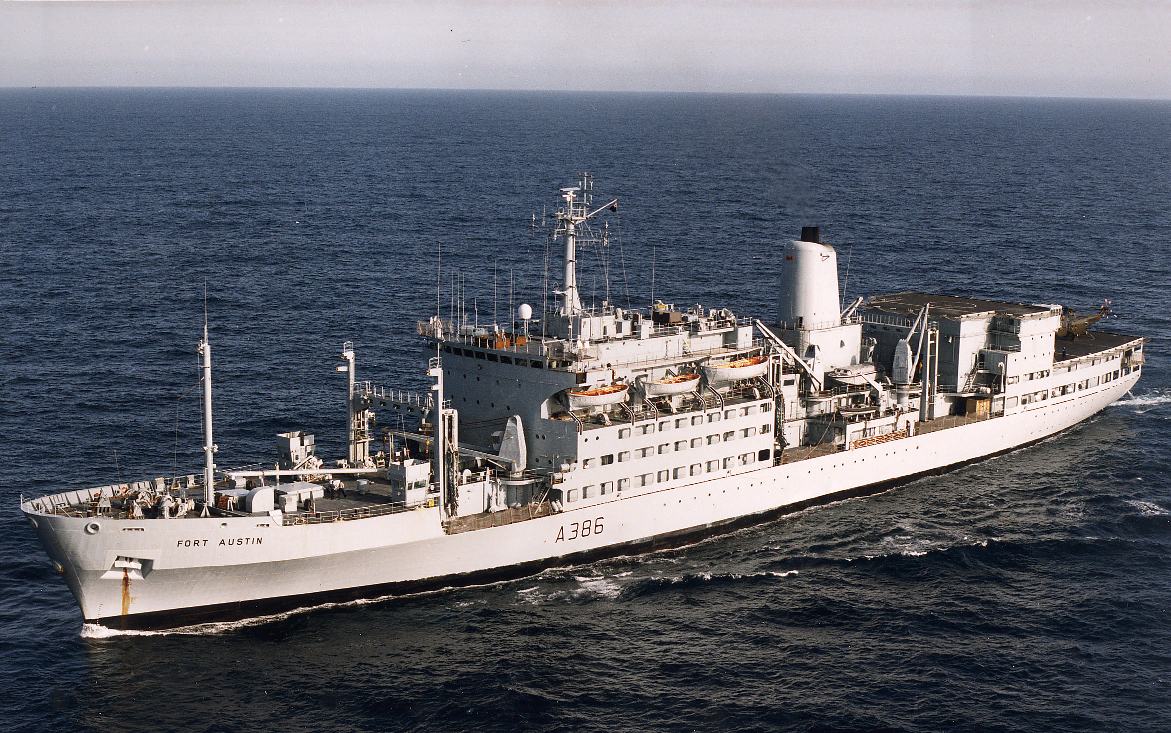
(208, 444)
(575, 213)
(570, 217)
(352, 437)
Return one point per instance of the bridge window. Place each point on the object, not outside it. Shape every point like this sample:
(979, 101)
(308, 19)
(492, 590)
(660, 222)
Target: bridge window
(607, 459)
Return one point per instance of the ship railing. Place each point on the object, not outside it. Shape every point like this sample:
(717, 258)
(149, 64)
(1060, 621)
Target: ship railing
(803, 325)
(369, 390)
(344, 515)
(886, 319)
(79, 500)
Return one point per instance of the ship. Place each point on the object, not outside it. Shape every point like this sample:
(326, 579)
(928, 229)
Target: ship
(591, 431)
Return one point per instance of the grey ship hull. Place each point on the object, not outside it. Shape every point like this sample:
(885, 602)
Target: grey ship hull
(214, 569)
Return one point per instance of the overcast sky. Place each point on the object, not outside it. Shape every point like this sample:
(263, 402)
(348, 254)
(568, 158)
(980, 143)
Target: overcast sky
(1042, 48)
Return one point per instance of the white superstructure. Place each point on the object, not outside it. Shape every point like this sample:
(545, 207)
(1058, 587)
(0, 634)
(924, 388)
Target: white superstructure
(590, 431)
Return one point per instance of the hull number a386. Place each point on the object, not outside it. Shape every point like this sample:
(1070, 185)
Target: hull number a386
(574, 530)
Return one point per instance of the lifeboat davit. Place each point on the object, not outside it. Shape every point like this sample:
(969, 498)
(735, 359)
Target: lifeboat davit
(672, 385)
(753, 366)
(598, 396)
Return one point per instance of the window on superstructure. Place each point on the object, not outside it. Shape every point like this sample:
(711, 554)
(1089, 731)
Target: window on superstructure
(665, 425)
(763, 455)
(646, 429)
(571, 495)
(680, 445)
(606, 487)
(728, 462)
(696, 469)
(680, 472)
(493, 357)
(506, 359)
(664, 476)
(648, 451)
(713, 466)
(730, 435)
(697, 419)
(479, 354)
(681, 422)
(587, 462)
(607, 459)
(713, 439)
(664, 448)
(696, 442)
(766, 429)
(729, 414)
(749, 410)
(624, 456)
(645, 479)
(588, 492)
(623, 484)
(713, 417)
(623, 433)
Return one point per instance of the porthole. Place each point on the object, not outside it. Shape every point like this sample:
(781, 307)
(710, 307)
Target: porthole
(93, 528)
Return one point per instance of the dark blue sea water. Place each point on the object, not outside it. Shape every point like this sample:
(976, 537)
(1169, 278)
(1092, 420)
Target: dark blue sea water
(1029, 592)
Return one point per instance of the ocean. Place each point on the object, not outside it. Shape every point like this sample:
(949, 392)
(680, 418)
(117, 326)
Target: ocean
(1028, 592)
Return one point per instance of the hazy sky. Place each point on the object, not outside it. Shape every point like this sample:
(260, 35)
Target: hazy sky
(1042, 48)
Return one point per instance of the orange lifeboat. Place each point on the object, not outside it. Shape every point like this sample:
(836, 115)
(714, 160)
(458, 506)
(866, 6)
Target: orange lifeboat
(672, 385)
(597, 397)
(753, 366)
